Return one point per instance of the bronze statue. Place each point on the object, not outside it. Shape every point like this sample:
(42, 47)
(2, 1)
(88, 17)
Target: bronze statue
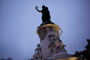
(45, 15)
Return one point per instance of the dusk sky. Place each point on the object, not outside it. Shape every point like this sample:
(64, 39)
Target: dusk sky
(19, 21)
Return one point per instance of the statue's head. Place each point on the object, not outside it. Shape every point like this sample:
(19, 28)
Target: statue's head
(43, 6)
(38, 45)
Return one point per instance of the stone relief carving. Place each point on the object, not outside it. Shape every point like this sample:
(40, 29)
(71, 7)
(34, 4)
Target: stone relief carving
(59, 46)
(56, 44)
(51, 43)
(38, 54)
(43, 33)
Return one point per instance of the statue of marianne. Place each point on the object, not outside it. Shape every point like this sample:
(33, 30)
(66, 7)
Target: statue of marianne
(45, 15)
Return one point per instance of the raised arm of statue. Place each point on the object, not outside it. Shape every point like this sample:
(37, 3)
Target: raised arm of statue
(37, 9)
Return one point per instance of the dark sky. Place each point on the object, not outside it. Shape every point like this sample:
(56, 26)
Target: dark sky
(19, 21)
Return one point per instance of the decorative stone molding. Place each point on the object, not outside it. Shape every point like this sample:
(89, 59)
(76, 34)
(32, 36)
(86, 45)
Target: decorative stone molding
(42, 30)
(55, 45)
(50, 40)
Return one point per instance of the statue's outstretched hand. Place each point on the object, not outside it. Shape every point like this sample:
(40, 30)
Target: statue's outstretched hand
(36, 7)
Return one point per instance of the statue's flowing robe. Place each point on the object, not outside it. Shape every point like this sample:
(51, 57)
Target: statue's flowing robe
(45, 15)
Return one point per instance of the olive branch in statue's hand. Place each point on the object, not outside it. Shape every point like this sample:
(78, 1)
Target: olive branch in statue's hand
(36, 8)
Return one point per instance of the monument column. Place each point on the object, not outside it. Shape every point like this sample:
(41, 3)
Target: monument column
(51, 46)
(48, 34)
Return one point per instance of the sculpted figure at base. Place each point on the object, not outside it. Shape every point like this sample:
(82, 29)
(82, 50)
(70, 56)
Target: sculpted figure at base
(45, 15)
(51, 47)
(38, 52)
(55, 45)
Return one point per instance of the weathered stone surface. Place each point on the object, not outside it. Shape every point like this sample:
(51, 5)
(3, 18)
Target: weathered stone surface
(49, 49)
(46, 52)
(51, 45)
(43, 33)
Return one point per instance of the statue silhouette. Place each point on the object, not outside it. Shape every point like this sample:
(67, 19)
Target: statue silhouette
(45, 15)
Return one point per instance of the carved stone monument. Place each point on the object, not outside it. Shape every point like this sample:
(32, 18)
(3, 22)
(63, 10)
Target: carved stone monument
(50, 47)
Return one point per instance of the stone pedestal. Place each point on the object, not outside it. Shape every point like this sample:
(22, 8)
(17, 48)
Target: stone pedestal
(44, 32)
(51, 47)
(49, 41)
